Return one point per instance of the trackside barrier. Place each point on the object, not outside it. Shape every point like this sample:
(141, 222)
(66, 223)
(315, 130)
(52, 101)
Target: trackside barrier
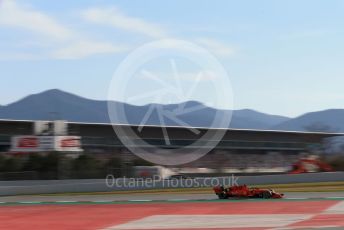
(8, 188)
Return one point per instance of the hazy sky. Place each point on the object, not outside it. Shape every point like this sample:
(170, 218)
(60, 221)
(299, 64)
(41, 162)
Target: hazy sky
(282, 57)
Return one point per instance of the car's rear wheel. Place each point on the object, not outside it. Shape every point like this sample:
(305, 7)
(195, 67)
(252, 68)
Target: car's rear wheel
(266, 195)
(222, 196)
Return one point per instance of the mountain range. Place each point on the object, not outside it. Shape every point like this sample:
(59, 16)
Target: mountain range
(57, 104)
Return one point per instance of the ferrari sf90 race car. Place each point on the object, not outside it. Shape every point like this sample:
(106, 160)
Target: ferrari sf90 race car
(243, 191)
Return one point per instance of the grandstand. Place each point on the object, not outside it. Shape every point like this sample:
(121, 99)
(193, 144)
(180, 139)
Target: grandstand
(236, 143)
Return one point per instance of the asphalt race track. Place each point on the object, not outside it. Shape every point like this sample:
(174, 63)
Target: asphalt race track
(171, 211)
(149, 197)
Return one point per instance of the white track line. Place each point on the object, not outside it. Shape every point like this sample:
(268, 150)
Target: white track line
(336, 209)
(178, 200)
(140, 200)
(30, 202)
(212, 221)
(103, 201)
(66, 201)
(304, 227)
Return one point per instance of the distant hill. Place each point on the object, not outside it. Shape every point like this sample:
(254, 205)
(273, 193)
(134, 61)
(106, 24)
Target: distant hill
(57, 104)
(331, 120)
(247, 119)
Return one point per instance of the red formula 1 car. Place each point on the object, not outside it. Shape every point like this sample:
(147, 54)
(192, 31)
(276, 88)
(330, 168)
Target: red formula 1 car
(243, 191)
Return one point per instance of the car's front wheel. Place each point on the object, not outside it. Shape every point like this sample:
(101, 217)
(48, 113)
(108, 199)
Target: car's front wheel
(222, 196)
